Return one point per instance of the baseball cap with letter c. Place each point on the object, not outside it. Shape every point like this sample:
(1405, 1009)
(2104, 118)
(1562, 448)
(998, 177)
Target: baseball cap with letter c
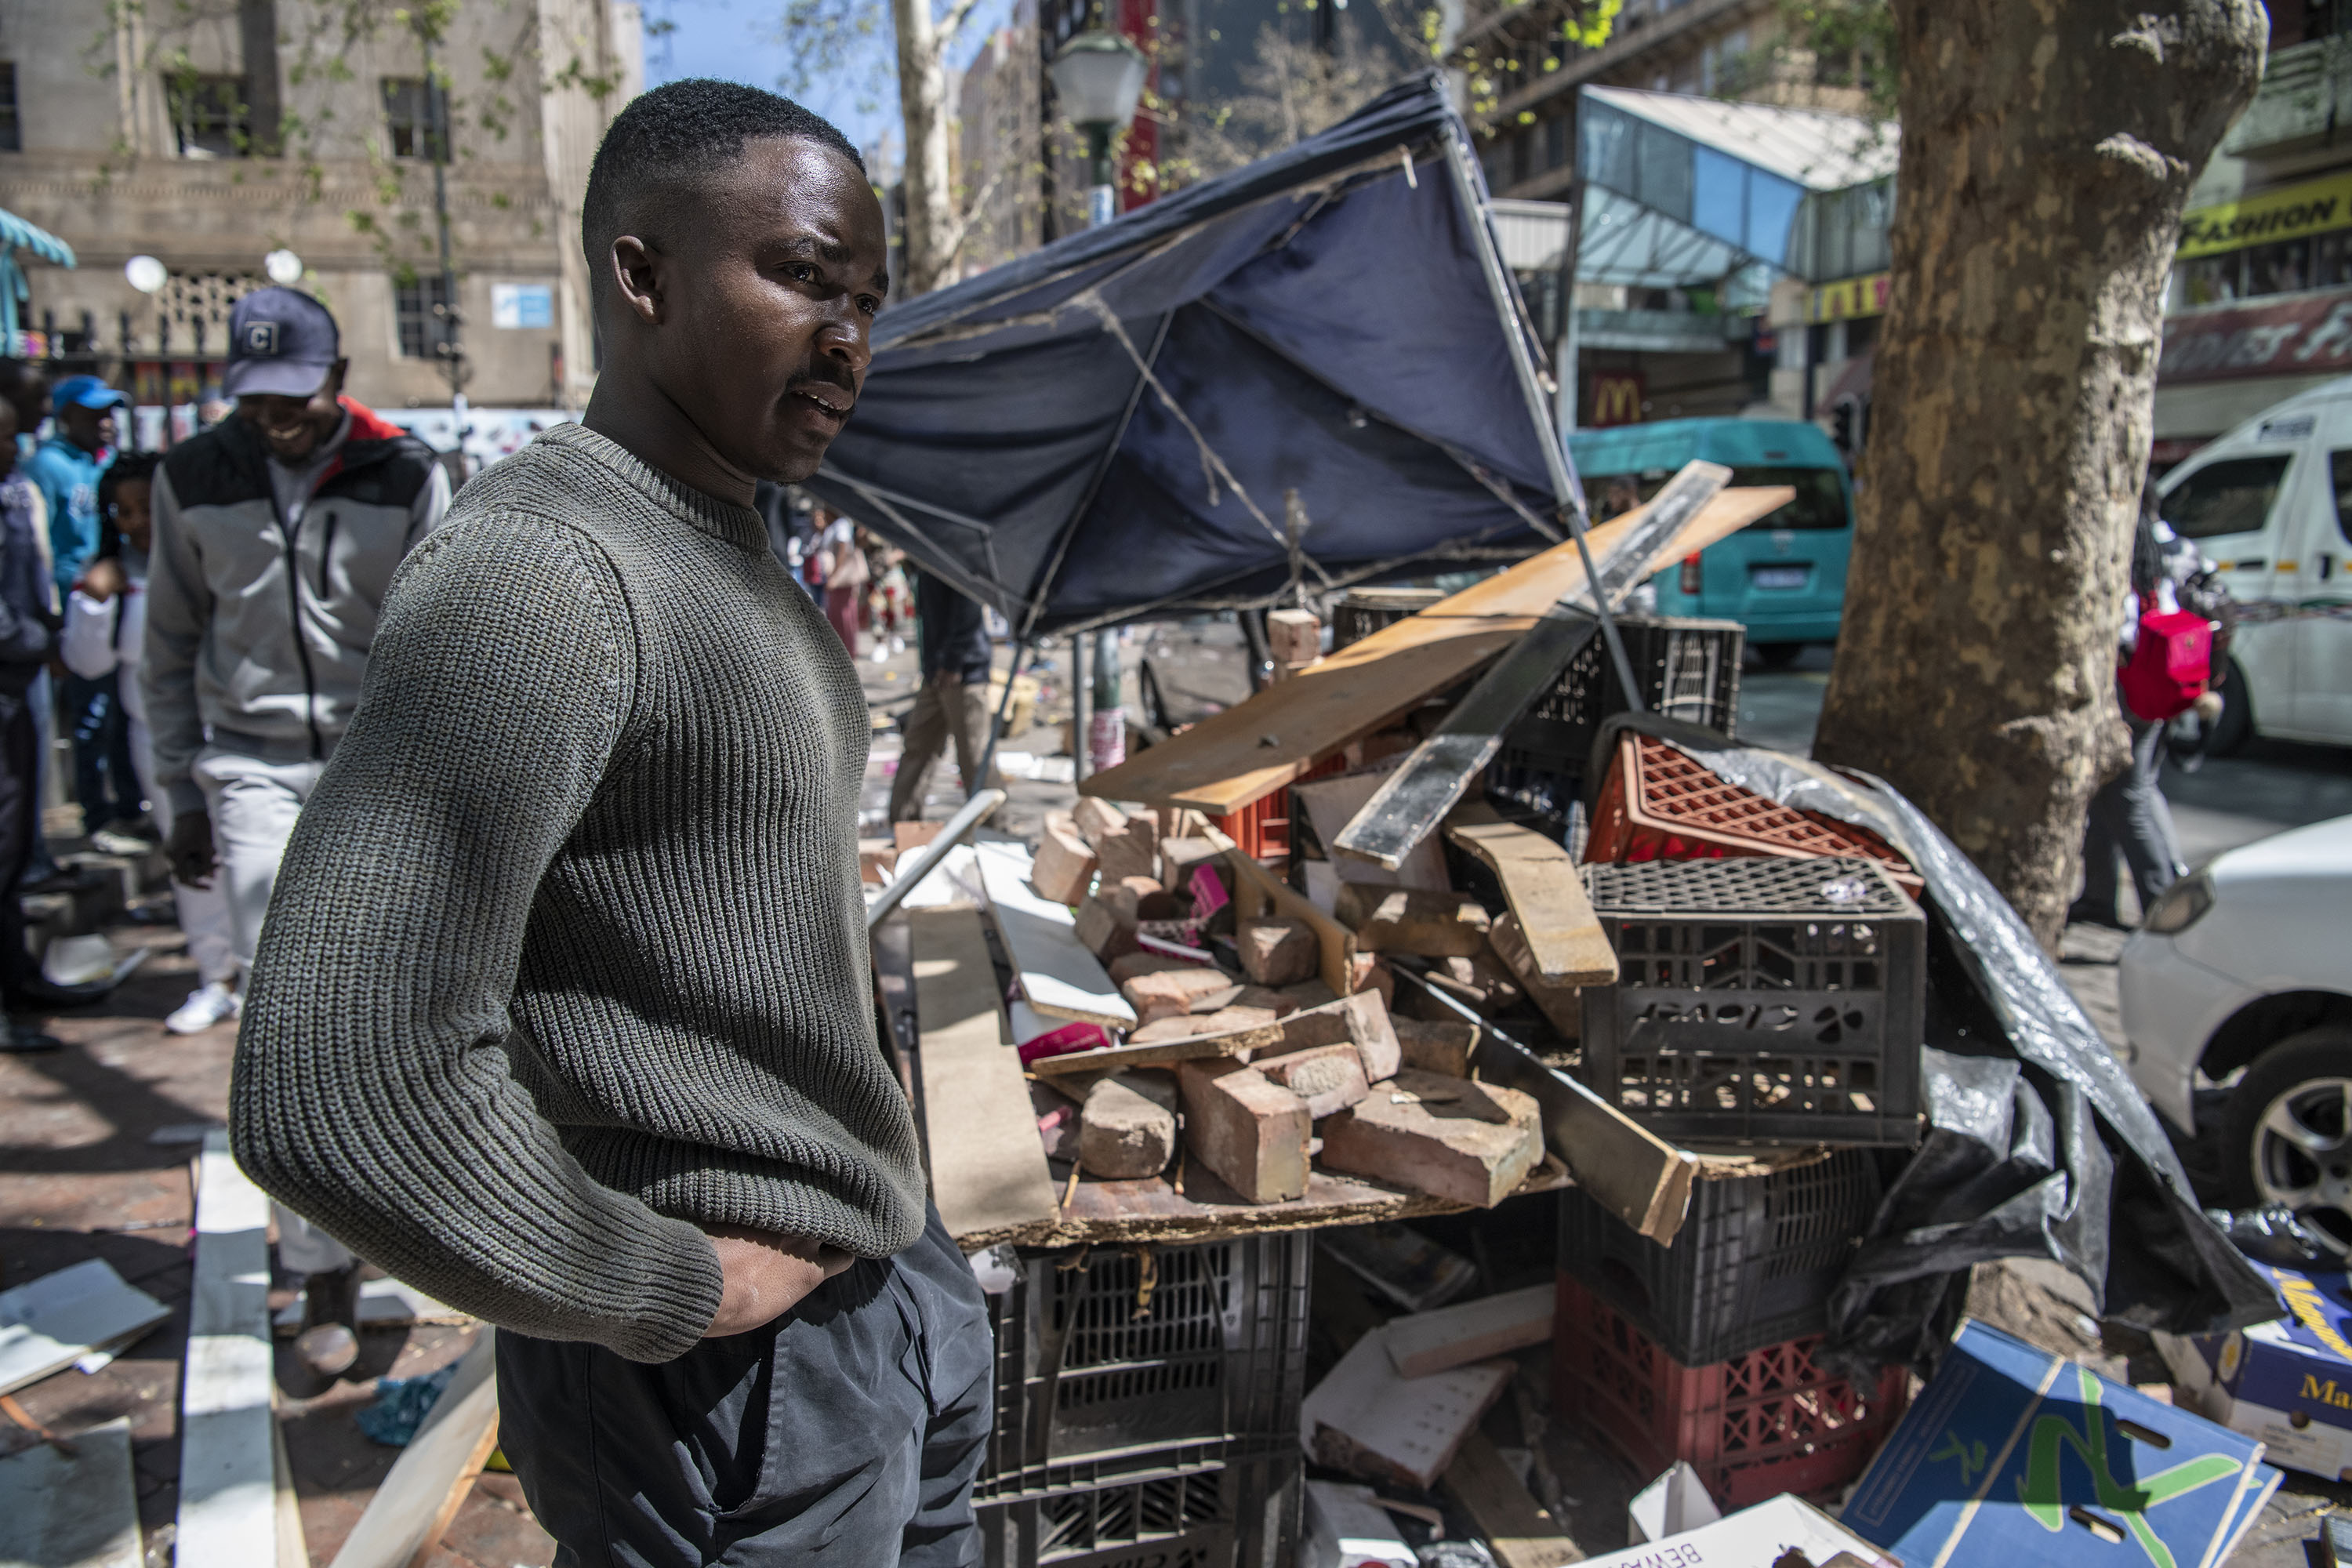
(282, 342)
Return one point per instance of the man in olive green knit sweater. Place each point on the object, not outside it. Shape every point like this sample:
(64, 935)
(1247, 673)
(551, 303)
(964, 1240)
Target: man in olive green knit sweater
(561, 1012)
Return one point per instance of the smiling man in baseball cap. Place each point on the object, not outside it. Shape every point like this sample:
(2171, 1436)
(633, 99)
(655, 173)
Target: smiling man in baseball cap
(276, 534)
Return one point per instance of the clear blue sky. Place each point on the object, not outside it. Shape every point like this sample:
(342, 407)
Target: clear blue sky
(738, 40)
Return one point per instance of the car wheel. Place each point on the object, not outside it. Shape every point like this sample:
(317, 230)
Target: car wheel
(2288, 1136)
(2236, 725)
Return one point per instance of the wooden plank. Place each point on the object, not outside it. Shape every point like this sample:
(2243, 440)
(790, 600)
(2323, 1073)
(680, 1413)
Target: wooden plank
(1424, 1342)
(1541, 884)
(1153, 1210)
(1628, 1169)
(988, 1169)
(1256, 747)
(1160, 1053)
(1411, 801)
(227, 1514)
(1256, 891)
(428, 1482)
(1059, 977)
(1517, 1531)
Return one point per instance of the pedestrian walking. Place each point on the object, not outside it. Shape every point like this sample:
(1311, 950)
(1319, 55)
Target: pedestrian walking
(66, 466)
(28, 624)
(951, 703)
(846, 574)
(563, 1012)
(105, 636)
(2129, 818)
(276, 535)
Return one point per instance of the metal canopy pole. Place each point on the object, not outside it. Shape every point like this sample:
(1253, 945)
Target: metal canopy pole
(1564, 488)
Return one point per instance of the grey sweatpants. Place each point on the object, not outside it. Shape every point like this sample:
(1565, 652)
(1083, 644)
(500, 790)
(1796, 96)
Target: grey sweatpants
(946, 708)
(847, 1432)
(253, 806)
(2129, 816)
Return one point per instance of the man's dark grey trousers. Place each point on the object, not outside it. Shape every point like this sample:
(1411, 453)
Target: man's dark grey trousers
(849, 1431)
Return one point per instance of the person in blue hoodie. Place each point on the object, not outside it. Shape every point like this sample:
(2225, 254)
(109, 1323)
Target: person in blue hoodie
(65, 467)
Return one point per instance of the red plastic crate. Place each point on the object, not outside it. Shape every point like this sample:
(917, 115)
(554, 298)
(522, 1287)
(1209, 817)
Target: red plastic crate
(1753, 1426)
(1262, 828)
(1659, 802)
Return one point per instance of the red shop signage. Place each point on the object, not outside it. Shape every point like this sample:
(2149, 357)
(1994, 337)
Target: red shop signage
(2309, 334)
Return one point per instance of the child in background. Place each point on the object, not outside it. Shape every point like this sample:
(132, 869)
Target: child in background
(105, 630)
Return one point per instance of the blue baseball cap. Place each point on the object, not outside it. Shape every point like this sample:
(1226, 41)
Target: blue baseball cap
(85, 392)
(282, 342)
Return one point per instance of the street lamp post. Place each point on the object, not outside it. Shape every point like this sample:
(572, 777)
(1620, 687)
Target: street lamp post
(1098, 81)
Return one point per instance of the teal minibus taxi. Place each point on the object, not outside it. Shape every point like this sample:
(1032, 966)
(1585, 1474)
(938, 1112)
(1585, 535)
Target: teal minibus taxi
(1782, 577)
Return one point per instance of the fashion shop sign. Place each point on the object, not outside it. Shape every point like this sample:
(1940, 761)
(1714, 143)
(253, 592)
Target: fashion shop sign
(2308, 334)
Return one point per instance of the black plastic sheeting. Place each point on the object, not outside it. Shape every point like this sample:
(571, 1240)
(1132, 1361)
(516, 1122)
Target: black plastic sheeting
(2038, 1143)
(1318, 324)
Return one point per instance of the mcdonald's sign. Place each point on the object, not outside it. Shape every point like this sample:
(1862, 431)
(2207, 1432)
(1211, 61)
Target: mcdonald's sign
(1616, 399)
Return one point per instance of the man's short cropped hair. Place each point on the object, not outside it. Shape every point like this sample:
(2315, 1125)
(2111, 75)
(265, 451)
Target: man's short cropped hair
(679, 132)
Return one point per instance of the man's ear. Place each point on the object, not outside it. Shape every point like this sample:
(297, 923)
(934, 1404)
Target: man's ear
(334, 386)
(636, 278)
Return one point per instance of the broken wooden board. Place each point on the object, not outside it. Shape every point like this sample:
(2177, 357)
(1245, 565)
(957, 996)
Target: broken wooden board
(1154, 1209)
(1541, 885)
(428, 1482)
(1253, 748)
(1456, 1335)
(1256, 892)
(1519, 1531)
(988, 1170)
(1629, 1170)
(1059, 977)
(1410, 804)
(1159, 1053)
(228, 1513)
(1330, 803)
(1365, 1419)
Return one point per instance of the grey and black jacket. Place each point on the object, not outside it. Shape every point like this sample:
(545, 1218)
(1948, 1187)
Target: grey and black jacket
(258, 628)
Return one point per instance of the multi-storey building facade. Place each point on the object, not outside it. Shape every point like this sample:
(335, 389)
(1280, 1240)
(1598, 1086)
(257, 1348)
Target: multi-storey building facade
(209, 134)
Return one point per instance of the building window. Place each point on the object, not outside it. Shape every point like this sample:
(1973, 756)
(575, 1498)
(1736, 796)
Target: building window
(11, 139)
(414, 113)
(420, 306)
(211, 115)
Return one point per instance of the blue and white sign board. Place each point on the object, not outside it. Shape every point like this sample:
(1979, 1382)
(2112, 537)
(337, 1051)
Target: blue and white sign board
(522, 305)
(2288, 1384)
(2012, 1456)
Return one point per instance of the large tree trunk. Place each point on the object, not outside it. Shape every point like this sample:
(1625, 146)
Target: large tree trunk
(2047, 148)
(928, 242)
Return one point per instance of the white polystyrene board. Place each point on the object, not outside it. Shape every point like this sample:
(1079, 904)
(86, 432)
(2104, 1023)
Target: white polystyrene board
(1347, 1529)
(1059, 978)
(48, 1324)
(952, 881)
(1415, 1424)
(78, 1511)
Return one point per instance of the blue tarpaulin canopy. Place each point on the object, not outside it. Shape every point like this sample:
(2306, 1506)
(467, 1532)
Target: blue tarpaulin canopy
(1111, 428)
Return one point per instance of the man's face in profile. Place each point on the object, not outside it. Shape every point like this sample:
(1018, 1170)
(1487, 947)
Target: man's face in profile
(779, 276)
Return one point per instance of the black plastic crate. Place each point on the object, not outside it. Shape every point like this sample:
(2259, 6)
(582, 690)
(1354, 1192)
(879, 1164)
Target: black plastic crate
(1763, 1000)
(1217, 1351)
(1752, 1265)
(1688, 670)
(1360, 612)
(1191, 1507)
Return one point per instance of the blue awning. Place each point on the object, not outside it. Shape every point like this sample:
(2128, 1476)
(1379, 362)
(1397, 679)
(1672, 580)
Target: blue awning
(15, 233)
(1301, 372)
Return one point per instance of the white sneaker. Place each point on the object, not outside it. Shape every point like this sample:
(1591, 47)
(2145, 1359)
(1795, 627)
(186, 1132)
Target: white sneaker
(209, 1003)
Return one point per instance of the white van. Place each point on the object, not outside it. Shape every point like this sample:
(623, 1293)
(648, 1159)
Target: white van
(2271, 505)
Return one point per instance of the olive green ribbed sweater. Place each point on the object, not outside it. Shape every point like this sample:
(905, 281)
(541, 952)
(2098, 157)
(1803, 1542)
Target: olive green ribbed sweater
(568, 949)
